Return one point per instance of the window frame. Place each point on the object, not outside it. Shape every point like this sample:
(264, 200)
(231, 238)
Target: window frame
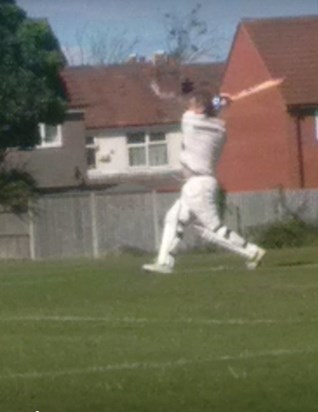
(93, 147)
(58, 142)
(147, 144)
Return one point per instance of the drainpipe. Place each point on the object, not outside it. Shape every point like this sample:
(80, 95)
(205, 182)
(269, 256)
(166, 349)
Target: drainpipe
(300, 154)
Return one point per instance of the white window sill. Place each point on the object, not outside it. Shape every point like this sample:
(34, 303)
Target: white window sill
(96, 173)
(49, 146)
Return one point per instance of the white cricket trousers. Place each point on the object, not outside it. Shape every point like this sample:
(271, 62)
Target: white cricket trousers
(198, 204)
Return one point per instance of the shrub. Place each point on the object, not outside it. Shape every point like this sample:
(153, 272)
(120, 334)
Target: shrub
(17, 188)
(288, 233)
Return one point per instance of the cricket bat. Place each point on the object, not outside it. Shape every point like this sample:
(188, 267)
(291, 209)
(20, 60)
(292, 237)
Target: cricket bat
(260, 87)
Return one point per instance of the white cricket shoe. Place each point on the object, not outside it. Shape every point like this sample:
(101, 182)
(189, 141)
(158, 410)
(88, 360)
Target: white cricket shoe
(255, 261)
(157, 268)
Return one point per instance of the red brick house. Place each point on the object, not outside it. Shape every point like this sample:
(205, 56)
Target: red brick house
(273, 136)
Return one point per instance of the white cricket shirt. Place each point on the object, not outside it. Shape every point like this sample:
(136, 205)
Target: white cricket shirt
(202, 143)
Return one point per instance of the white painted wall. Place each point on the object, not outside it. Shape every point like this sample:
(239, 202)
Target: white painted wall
(112, 155)
(174, 147)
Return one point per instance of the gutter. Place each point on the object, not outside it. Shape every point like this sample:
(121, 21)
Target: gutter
(299, 112)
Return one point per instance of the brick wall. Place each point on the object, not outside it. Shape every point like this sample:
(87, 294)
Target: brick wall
(262, 151)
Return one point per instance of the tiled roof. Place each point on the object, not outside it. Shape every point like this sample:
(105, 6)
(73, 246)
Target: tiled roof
(125, 95)
(289, 48)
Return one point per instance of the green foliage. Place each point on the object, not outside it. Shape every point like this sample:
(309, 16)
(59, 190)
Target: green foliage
(291, 230)
(288, 233)
(30, 88)
(17, 188)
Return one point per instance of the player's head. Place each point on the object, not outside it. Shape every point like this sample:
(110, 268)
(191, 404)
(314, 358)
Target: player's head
(200, 101)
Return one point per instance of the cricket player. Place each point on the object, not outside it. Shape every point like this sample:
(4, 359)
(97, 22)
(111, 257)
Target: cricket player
(204, 135)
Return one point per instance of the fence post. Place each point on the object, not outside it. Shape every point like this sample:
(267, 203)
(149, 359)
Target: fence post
(155, 218)
(95, 247)
(238, 218)
(31, 230)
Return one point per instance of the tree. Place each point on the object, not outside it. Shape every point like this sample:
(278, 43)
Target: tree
(30, 87)
(100, 47)
(31, 92)
(188, 37)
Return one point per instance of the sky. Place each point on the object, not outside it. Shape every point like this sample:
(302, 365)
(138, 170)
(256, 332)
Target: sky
(143, 19)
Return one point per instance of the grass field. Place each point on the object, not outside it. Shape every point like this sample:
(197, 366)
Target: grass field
(96, 336)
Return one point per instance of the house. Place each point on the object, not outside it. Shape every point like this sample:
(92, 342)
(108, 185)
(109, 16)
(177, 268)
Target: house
(132, 118)
(122, 126)
(273, 135)
(58, 162)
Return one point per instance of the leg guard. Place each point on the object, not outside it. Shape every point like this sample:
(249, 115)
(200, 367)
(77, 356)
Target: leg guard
(230, 240)
(176, 217)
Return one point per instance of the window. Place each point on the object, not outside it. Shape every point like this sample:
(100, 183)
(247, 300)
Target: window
(90, 152)
(147, 149)
(51, 136)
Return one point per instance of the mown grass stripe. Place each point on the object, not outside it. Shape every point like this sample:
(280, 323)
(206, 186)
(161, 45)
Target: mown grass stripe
(155, 321)
(152, 365)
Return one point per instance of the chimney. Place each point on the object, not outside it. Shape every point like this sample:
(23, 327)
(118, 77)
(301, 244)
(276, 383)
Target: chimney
(160, 58)
(132, 58)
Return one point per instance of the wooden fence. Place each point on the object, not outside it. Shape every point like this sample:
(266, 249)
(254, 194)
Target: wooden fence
(91, 224)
